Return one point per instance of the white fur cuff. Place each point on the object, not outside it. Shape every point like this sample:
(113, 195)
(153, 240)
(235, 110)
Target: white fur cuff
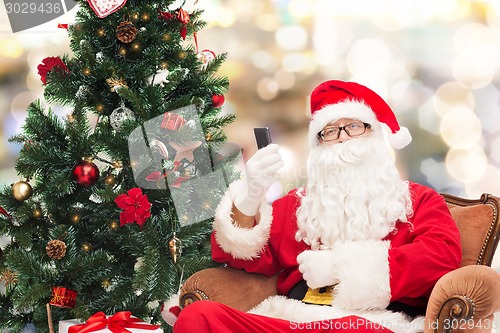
(239, 242)
(363, 272)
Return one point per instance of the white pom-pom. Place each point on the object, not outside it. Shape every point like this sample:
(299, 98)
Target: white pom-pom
(400, 139)
(168, 316)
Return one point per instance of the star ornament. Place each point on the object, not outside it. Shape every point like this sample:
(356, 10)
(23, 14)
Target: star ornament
(184, 151)
(136, 207)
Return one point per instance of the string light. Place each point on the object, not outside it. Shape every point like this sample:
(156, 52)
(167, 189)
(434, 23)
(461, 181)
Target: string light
(113, 225)
(75, 218)
(86, 247)
(37, 213)
(136, 46)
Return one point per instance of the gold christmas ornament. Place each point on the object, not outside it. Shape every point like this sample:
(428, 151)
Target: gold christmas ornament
(116, 84)
(117, 164)
(8, 277)
(99, 107)
(22, 190)
(167, 37)
(175, 248)
(56, 249)
(86, 71)
(182, 55)
(145, 16)
(126, 32)
(110, 180)
(122, 51)
(101, 32)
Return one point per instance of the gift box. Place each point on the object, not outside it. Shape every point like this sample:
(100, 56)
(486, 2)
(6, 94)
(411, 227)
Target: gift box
(121, 322)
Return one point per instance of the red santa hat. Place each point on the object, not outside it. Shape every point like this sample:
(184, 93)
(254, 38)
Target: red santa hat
(334, 99)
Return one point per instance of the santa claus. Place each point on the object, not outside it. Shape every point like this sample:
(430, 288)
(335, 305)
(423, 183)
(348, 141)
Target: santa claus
(357, 249)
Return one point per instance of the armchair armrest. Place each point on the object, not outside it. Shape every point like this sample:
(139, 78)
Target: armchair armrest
(236, 288)
(465, 299)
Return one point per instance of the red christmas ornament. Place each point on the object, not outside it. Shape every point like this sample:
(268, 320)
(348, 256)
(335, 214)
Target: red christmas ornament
(181, 15)
(4, 212)
(217, 100)
(86, 173)
(49, 64)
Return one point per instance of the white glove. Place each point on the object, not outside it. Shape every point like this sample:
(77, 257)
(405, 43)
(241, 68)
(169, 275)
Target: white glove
(261, 171)
(318, 268)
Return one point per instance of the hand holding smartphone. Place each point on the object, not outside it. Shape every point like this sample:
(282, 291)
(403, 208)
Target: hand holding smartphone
(262, 136)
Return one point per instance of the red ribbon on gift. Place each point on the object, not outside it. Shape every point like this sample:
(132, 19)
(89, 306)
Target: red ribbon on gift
(118, 323)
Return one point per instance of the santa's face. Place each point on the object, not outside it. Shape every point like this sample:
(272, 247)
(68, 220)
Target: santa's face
(354, 191)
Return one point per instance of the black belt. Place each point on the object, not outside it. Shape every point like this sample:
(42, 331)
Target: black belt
(299, 291)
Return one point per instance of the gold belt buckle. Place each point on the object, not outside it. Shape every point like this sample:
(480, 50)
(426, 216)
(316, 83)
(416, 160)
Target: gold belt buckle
(319, 296)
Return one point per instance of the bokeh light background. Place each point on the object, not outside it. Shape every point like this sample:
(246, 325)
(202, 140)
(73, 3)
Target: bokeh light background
(435, 62)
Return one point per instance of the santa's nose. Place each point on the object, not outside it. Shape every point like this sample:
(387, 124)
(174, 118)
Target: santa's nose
(343, 137)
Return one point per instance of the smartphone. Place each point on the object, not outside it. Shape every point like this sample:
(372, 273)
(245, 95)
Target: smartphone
(262, 136)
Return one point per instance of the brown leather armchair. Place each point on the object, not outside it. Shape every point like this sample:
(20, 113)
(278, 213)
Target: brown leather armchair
(462, 300)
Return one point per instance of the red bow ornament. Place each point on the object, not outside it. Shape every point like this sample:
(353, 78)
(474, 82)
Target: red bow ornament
(118, 323)
(181, 15)
(51, 63)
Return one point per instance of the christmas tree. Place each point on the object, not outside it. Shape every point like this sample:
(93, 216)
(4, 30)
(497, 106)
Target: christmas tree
(114, 204)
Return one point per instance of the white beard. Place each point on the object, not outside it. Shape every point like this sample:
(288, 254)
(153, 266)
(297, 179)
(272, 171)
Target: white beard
(354, 193)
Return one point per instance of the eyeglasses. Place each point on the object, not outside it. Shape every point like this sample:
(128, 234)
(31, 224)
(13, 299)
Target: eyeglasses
(331, 133)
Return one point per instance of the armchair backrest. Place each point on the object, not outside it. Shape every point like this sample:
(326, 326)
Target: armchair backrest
(479, 225)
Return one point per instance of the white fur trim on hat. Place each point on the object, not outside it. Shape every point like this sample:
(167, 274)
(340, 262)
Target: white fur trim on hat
(241, 243)
(333, 112)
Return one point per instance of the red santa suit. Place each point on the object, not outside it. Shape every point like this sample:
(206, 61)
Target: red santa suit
(403, 267)
(372, 274)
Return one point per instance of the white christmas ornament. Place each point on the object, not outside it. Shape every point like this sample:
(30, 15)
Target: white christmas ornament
(82, 91)
(160, 78)
(205, 57)
(119, 116)
(99, 56)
